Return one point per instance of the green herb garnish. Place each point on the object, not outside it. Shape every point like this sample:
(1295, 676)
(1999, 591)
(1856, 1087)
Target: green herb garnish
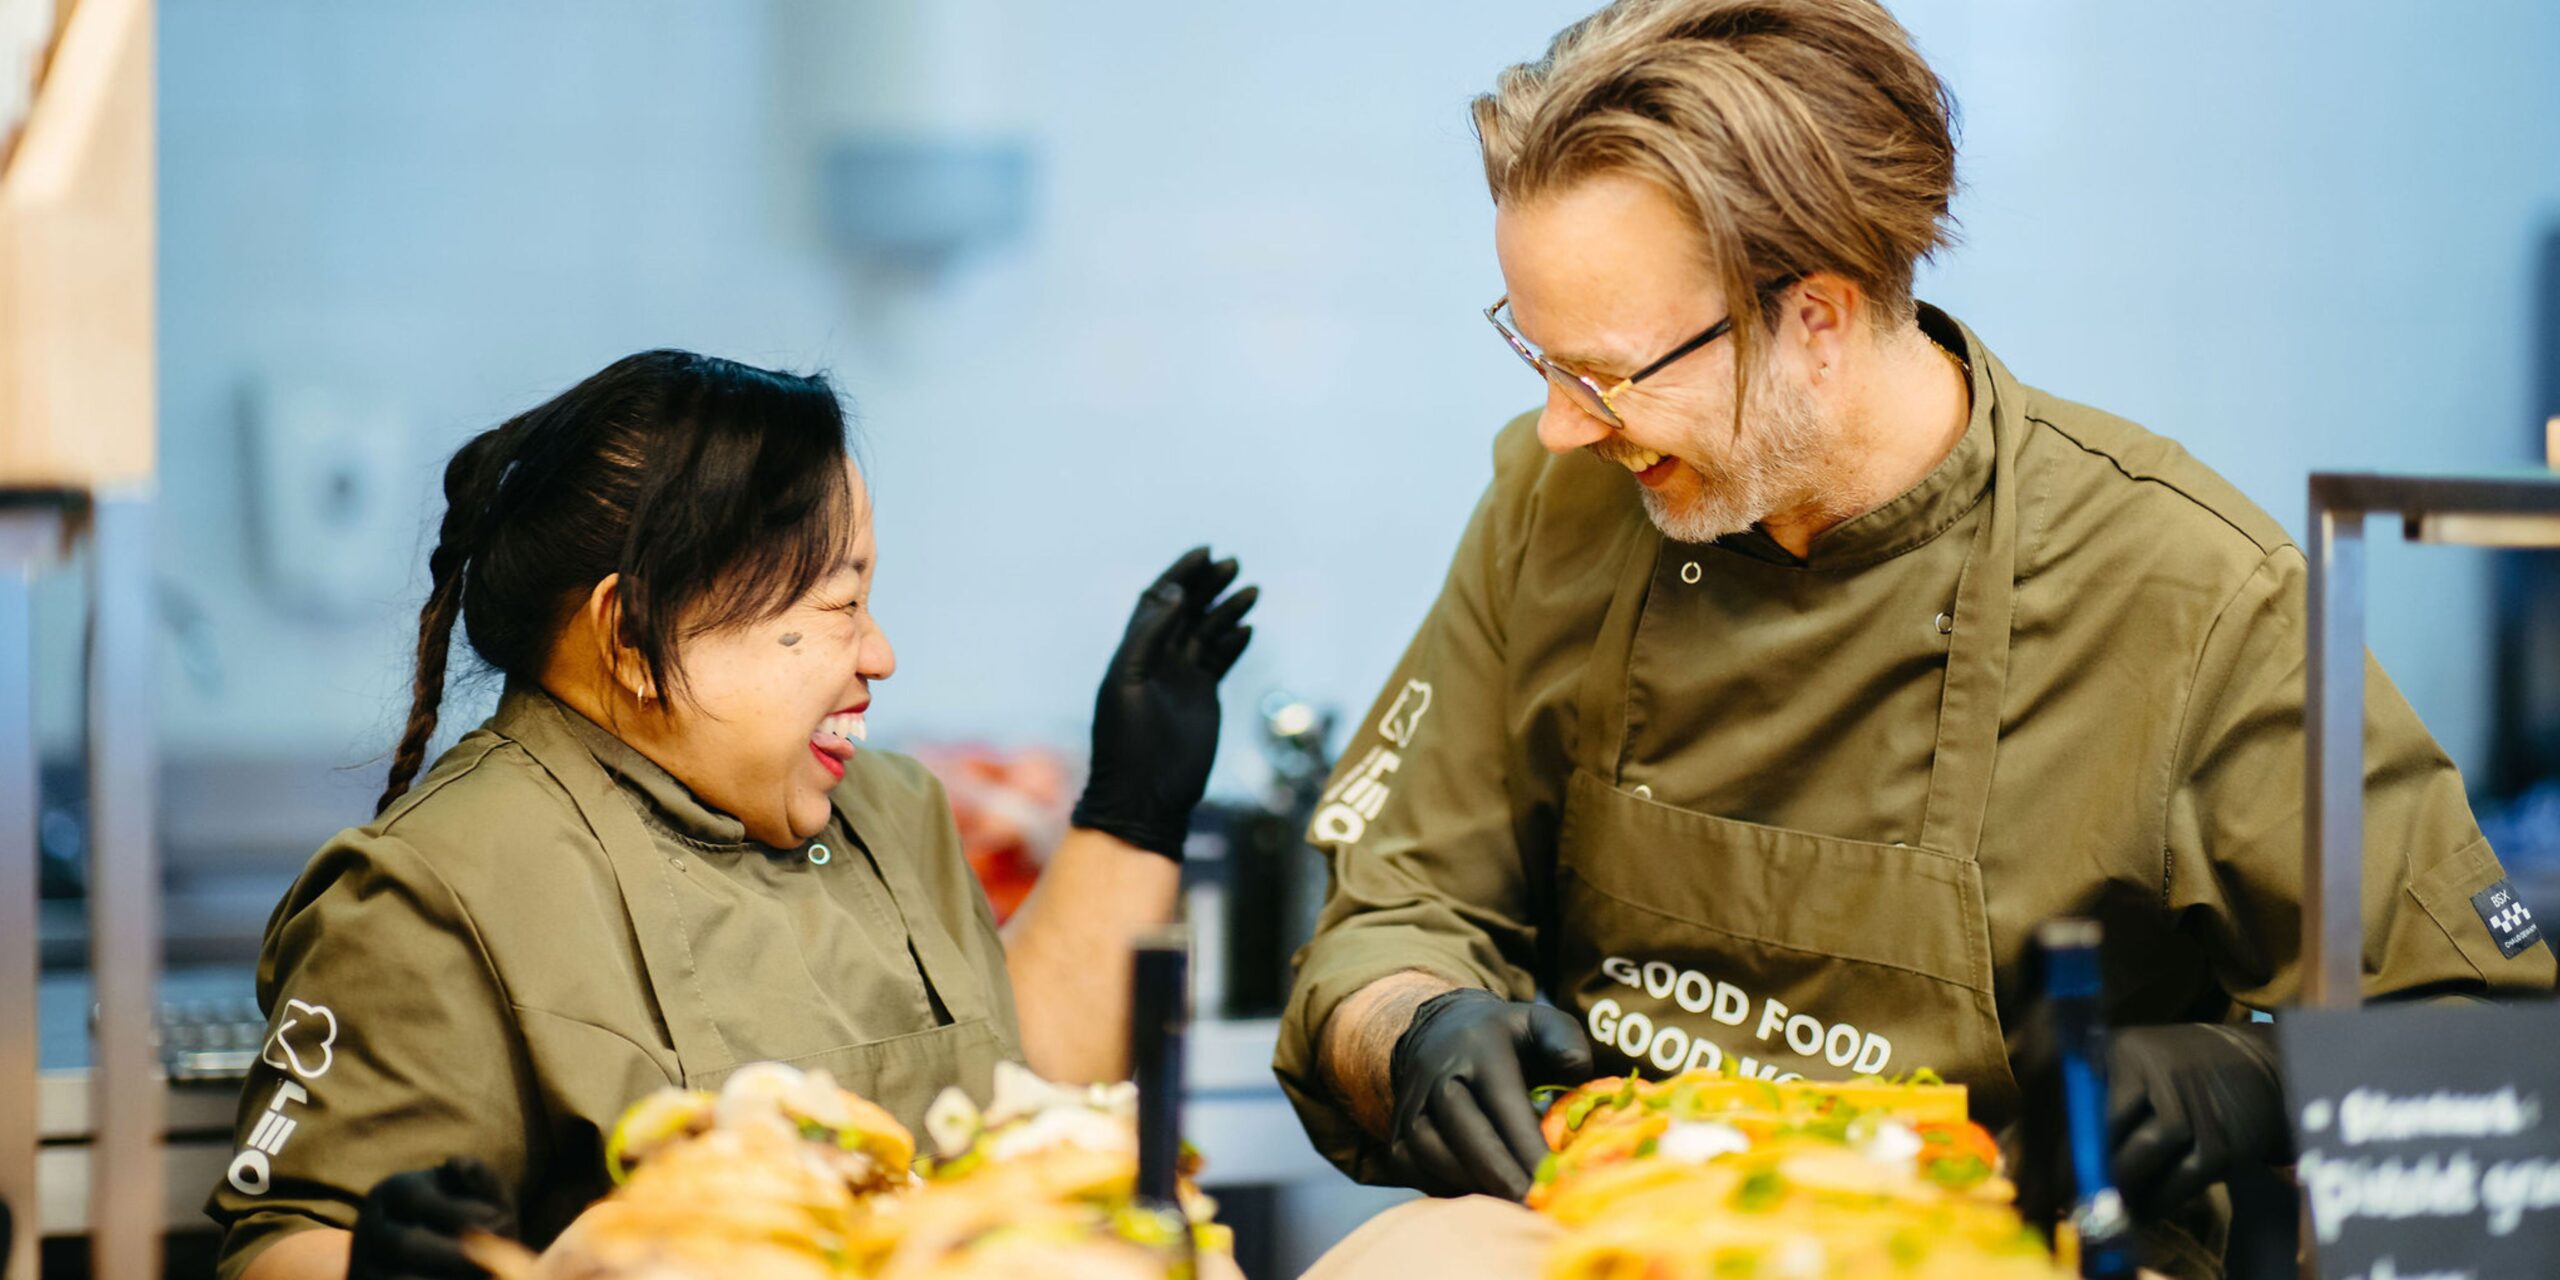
(1832, 1128)
(1688, 1102)
(1759, 1191)
(1579, 1110)
(1957, 1173)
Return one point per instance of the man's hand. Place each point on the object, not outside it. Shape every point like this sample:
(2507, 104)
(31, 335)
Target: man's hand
(411, 1224)
(1462, 1072)
(2188, 1105)
(1155, 721)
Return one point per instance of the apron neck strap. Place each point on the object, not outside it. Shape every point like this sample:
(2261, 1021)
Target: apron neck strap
(657, 924)
(1977, 675)
(945, 967)
(1600, 720)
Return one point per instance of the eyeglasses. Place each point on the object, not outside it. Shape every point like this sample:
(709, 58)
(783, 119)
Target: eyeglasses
(1587, 394)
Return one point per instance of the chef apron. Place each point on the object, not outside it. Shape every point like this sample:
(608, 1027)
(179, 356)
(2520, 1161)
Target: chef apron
(1691, 940)
(716, 1015)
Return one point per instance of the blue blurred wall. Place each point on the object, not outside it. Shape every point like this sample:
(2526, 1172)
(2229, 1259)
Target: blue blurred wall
(2292, 235)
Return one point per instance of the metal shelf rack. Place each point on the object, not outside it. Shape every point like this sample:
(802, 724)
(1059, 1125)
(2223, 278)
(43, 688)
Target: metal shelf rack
(37, 530)
(2517, 509)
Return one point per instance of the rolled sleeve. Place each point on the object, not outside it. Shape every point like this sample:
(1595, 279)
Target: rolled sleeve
(389, 1048)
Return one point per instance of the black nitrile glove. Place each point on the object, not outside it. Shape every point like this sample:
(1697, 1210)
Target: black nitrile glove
(1462, 1072)
(1155, 722)
(411, 1224)
(2188, 1105)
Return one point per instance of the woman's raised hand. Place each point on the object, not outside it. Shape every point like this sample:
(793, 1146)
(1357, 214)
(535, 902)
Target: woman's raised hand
(1155, 721)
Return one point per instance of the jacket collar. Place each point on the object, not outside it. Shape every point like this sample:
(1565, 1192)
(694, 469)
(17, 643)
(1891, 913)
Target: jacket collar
(528, 710)
(1925, 510)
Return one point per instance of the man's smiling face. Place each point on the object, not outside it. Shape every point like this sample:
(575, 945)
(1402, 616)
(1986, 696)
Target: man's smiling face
(1607, 275)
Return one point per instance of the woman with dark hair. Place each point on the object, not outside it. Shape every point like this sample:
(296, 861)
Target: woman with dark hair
(665, 856)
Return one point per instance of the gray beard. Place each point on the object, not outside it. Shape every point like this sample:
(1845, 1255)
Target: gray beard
(1776, 464)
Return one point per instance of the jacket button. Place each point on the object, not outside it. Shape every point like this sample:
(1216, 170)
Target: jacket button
(1690, 573)
(1641, 792)
(1946, 624)
(819, 855)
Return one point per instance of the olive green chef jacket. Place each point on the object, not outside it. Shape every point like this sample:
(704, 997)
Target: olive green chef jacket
(550, 926)
(1712, 799)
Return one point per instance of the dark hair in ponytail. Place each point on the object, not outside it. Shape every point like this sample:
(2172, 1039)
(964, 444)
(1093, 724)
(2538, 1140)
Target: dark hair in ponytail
(716, 489)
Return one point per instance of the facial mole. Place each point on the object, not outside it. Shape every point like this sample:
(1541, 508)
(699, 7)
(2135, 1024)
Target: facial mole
(790, 638)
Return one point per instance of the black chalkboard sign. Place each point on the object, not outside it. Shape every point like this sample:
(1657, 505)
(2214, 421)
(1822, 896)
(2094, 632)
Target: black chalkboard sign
(2429, 1139)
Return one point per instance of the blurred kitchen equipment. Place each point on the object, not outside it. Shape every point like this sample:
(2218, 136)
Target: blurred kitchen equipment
(332, 495)
(917, 136)
(210, 1041)
(1011, 806)
(1252, 884)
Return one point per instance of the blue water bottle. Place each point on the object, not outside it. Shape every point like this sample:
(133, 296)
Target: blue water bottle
(2072, 997)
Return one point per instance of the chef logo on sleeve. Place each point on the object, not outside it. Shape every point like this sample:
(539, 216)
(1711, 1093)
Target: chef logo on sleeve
(1405, 714)
(1353, 801)
(251, 1171)
(304, 1044)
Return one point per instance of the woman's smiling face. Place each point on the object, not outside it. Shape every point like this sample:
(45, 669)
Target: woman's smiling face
(770, 711)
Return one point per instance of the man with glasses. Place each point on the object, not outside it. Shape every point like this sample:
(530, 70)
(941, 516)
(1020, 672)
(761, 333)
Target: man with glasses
(1801, 661)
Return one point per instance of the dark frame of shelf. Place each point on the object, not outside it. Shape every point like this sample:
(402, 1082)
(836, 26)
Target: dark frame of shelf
(2333, 694)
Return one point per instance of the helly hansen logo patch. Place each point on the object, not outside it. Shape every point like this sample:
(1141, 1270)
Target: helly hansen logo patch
(2510, 922)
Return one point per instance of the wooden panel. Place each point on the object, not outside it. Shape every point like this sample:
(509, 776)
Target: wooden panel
(77, 384)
